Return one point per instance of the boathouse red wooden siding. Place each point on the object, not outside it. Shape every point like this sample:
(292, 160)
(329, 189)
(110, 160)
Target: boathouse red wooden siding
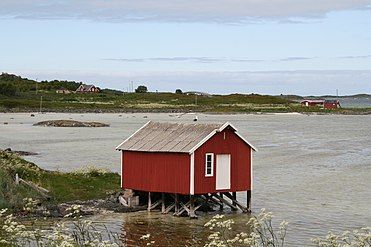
(240, 163)
(156, 172)
(171, 172)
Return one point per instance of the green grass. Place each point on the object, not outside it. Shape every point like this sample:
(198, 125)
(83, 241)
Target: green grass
(63, 187)
(146, 102)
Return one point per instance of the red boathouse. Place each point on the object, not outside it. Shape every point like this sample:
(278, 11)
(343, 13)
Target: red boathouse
(207, 161)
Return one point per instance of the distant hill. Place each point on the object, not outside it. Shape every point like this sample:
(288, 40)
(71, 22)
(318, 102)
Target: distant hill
(299, 98)
(27, 85)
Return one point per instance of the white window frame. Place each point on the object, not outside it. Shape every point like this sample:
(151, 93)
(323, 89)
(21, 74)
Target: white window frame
(212, 165)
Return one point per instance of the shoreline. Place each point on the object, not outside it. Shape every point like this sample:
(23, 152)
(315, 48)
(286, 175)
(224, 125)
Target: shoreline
(341, 111)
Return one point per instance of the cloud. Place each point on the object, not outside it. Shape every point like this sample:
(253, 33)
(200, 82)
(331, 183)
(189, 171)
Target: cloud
(220, 11)
(288, 59)
(356, 57)
(206, 59)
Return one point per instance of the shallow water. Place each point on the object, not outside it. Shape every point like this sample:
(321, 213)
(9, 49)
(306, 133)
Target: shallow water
(313, 171)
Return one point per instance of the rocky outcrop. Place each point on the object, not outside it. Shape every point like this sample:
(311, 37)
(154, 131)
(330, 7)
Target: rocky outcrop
(70, 123)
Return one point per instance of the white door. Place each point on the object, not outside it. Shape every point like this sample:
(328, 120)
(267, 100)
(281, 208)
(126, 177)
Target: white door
(223, 171)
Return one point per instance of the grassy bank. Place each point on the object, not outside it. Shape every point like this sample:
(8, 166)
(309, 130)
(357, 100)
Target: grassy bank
(84, 185)
(146, 102)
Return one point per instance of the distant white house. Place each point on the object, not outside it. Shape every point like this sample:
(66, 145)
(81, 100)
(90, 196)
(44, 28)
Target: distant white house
(63, 91)
(197, 93)
(83, 88)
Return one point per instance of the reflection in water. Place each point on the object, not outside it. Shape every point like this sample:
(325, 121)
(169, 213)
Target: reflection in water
(166, 230)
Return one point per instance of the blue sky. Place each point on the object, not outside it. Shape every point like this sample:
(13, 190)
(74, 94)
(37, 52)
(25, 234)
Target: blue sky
(220, 46)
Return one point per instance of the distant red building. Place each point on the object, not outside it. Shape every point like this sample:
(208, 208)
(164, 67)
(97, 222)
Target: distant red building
(331, 104)
(313, 102)
(187, 159)
(326, 104)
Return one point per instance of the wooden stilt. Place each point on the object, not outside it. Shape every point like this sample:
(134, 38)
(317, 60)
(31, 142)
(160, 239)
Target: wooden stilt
(221, 207)
(236, 203)
(248, 203)
(234, 195)
(192, 213)
(163, 203)
(149, 201)
(225, 201)
(176, 206)
(210, 198)
(234, 198)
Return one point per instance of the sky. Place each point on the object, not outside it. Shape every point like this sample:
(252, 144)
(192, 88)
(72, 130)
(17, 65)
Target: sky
(305, 47)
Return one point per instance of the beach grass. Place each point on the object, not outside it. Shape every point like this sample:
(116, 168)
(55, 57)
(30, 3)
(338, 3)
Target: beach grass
(63, 187)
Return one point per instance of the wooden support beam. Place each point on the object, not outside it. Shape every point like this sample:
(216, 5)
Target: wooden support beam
(149, 202)
(169, 208)
(221, 207)
(184, 207)
(163, 202)
(192, 211)
(236, 203)
(210, 198)
(248, 203)
(154, 205)
(234, 196)
(176, 206)
(225, 201)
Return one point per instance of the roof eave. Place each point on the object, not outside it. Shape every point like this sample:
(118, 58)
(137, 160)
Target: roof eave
(118, 147)
(220, 130)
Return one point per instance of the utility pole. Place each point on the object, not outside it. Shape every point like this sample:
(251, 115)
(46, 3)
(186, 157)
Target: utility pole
(41, 104)
(36, 85)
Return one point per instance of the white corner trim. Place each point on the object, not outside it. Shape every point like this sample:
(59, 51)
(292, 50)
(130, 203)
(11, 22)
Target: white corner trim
(118, 147)
(192, 174)
(121, 165)
(251, 171)
(212, 165)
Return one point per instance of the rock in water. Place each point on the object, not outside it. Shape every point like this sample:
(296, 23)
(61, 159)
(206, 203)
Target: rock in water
(70, 123)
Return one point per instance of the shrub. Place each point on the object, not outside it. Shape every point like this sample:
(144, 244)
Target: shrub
(8, 89)
(141, 89)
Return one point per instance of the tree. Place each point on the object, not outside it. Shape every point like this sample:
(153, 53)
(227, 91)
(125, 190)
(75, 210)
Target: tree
(8, 89)
(178, 91)
(141, 89)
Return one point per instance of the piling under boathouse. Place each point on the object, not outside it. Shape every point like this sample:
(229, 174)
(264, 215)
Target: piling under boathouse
(181, 166)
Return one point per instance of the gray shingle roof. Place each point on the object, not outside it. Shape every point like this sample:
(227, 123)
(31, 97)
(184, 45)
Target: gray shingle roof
(173, 137)
(168, 137)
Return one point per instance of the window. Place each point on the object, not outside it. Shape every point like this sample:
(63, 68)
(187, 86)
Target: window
(209, 165)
